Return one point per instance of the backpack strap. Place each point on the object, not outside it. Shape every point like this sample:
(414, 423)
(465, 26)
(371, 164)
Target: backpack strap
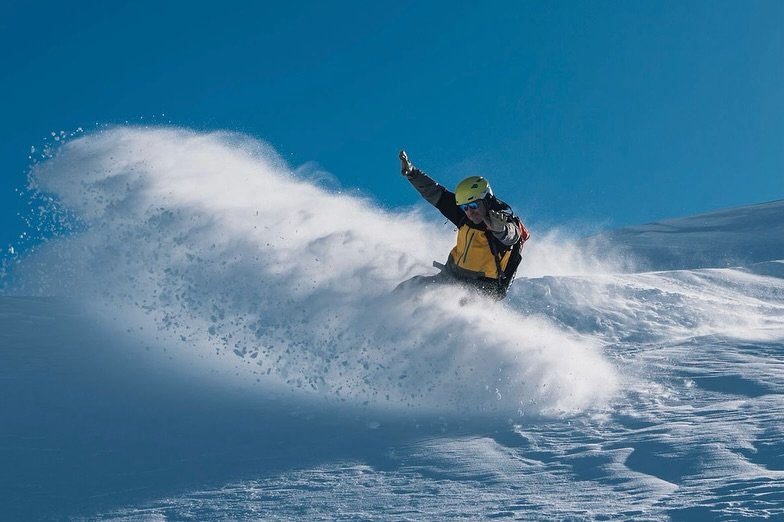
(505, 277)
(501, 281)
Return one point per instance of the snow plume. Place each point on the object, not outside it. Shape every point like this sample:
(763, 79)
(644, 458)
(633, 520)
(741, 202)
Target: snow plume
(210, 246)
(557, 253)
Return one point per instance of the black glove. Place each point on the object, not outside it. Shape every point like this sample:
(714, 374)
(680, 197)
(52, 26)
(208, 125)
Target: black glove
(495, 221)
(406, 168)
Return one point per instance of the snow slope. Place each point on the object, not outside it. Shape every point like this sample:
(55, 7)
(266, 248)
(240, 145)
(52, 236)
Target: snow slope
(216, 337)
(731, 237)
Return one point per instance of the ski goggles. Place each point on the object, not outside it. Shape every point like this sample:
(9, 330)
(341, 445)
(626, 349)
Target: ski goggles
(474, 205)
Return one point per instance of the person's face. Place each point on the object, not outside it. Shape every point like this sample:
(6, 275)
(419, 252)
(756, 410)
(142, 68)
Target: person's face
(475, 214)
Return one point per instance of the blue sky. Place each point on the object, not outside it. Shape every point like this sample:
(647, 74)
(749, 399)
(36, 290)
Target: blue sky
(602, 112)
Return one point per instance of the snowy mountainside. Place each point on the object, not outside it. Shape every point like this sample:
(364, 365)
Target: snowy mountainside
(730, 237)
(194, 350)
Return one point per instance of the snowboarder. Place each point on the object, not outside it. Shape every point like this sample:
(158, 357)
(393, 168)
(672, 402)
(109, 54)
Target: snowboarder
(489, 236)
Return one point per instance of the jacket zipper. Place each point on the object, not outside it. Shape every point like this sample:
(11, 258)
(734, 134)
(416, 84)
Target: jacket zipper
(468, 245)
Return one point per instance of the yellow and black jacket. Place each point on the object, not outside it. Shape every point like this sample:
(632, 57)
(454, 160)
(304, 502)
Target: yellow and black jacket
(479, 254)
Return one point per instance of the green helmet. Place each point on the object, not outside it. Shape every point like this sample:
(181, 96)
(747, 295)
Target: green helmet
(471, 189)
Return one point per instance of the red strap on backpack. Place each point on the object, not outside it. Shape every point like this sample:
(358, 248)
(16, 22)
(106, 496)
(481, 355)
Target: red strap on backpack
(524, 235)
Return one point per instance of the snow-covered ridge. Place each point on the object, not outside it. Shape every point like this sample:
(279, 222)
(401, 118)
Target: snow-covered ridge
(731, 237)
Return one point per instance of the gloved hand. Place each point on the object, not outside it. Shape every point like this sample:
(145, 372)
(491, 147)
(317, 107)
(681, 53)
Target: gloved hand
(495, 221)
(405, 165)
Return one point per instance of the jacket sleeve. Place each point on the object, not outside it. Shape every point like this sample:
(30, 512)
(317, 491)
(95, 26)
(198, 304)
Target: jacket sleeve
(436, 195)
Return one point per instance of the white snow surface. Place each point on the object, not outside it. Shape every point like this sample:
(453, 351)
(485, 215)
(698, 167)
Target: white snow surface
(218, 337)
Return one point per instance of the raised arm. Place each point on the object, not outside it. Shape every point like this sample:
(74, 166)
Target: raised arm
(425, 185)
(433, 192)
